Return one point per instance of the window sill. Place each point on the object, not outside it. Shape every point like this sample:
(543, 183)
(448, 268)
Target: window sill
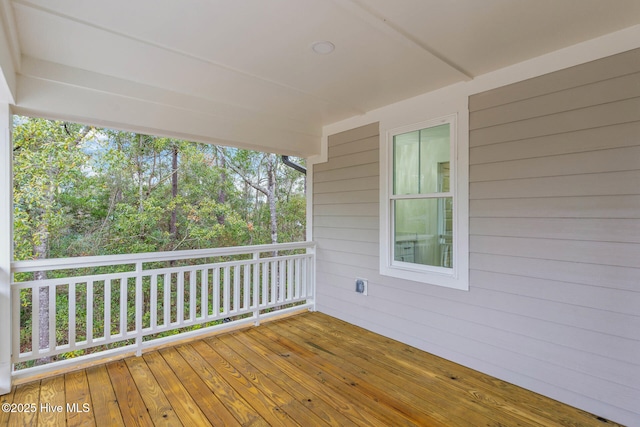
(438, 276)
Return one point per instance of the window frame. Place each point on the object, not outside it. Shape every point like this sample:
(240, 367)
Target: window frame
(455, 277)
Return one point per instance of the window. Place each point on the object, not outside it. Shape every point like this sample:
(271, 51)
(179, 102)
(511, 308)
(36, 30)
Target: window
(420, 218)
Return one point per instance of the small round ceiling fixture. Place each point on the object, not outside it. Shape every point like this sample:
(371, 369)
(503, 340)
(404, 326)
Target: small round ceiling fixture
(323, 47)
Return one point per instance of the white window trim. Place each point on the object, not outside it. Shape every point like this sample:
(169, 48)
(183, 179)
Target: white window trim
(458, 276)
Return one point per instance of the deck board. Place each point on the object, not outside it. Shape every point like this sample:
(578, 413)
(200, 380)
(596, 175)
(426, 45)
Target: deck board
(207, 401)
(291, 381)
(105, 406)
(52, 392)
(308, 369)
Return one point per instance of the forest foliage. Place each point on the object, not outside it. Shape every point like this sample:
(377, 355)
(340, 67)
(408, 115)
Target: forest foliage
(81, 191)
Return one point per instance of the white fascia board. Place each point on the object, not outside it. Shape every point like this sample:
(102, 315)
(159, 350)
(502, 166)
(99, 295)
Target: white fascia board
(59, 101)
(55, 91)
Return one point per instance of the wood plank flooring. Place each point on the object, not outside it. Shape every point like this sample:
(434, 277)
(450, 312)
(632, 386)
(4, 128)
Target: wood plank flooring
(307, 370)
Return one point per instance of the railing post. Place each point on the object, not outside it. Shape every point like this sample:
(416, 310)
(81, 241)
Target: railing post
(138, 308)
(256, 289)
(6, 246)
(312, 276)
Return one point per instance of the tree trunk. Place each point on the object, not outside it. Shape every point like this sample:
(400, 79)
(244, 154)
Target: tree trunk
(271, 196)
(140, 184)
(40, 252)
(173, 225)
(222, 194)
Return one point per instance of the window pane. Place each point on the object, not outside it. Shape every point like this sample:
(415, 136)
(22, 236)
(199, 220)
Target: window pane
(419, 160)
(406, 163)
(423, 231)
(434, 151)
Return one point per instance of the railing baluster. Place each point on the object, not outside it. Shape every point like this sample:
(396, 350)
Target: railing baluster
(35, 319)
(166, 287)
(289, 284)
(305, 276)
(235, 302)
(180, 296)
(153, 303)
(15, 312)
(256, 281)
(265, 283)
(123, 306)
(52, 318)
(107, 309)
(226, 291)
(296, 280)
(246, 292)
(204, 293)
(72, 314)
(192, 295)
(274, 282)
(215, 292)
(281, 281)
(89, 319)
(138, 308)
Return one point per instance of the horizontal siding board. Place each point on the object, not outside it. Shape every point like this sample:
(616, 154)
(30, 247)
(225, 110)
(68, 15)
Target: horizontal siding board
(370, 223)
(353, 233)
(372, 143)
(584, 118)
(601, 92)
(502, 310)
(586, 229)
(349, 272)
(362, 132)
(362, 196)
(596, 297)
(355, 184)
(344, 209)
(602, 321)
(612, 160)
(348, 161)
(348, 246)
(606, 276)
(583, 74)
(493, 307)
(612, 207)
(614, 136)
(597, 184)
(605, 253)
(340, 257)
(358, 171)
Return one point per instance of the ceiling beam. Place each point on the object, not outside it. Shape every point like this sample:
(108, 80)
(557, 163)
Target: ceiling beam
(372, 17)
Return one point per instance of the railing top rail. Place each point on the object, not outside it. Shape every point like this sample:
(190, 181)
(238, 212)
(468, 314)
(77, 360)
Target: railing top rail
(104, 260)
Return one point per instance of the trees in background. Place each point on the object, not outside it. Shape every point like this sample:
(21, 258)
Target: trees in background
(82, 191)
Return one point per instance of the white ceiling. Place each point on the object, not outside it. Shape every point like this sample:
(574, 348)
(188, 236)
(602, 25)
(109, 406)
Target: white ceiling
(243, 72)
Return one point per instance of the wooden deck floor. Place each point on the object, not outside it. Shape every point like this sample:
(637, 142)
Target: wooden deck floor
(307, 370)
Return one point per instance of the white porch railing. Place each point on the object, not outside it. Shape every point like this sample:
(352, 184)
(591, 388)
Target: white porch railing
(139, 305)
